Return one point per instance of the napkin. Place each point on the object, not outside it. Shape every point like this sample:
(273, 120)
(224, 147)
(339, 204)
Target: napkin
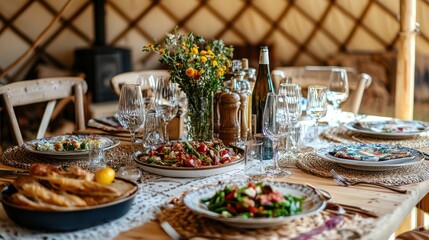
(371, 153)
(106, 123)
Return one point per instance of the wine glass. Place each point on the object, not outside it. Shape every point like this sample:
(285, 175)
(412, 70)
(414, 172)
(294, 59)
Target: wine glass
(317, 105)
(131, 114)
(293, 100)
(338, 89)
(152, 134)
(166, 101)
(275, 120)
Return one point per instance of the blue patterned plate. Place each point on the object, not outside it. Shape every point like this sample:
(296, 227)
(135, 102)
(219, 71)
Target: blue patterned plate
(329, 152)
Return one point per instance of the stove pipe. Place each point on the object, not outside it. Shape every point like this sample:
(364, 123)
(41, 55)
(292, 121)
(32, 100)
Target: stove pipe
(99, 25)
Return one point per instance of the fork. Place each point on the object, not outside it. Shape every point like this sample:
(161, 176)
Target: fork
(342, 181)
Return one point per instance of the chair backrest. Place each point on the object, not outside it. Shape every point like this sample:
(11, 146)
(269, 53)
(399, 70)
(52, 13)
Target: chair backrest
(46, 90)
(312, 75)
(133, 77)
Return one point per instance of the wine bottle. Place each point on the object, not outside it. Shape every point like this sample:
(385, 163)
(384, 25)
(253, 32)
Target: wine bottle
(263, 86)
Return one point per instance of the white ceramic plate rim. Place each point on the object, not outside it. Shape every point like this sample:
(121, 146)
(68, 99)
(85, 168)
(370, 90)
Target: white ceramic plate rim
(193, 198)
(350, 126)
(30, 146)
(398, 162)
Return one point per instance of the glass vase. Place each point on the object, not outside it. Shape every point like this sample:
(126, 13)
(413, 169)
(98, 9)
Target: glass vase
(200, 116)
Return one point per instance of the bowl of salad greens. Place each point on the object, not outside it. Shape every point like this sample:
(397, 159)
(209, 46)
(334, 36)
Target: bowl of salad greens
(254, 205)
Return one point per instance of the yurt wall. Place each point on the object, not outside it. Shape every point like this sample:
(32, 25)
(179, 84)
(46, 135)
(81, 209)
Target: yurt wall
(358, 33)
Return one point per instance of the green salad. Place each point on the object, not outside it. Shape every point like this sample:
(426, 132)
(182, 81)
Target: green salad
(253, 200)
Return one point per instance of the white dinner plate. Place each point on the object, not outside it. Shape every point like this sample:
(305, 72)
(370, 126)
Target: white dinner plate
(375, 128)
(313, 204)
(327, 154)
(31, 146)
(188, 172)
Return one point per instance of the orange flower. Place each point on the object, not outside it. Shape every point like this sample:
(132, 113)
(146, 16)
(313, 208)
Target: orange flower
(190, 72)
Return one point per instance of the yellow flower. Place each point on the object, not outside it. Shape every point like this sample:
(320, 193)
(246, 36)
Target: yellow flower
(210, 52)
(203, 53)
(149, 46)
(219, 72)
(162, 51)
(203, 59)
(179, 64)
(224, 67)
(228, 63)
(194, 50)
(201, 72)
(214, 63)
(190, 72)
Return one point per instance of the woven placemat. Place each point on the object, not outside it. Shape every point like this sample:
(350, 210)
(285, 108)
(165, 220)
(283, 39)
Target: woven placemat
(189, 224)
(311, 163)
(342, 135)
(20, 158)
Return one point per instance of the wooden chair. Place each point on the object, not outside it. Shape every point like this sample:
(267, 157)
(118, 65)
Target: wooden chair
(48, 90)
(312, 75)
(133, 77)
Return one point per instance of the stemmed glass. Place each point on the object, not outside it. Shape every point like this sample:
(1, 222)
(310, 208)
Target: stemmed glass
(166, 101)
(274, 126)
(316, 105)
(152, 134)
(338, 88)
(293, 100)
(131, 114)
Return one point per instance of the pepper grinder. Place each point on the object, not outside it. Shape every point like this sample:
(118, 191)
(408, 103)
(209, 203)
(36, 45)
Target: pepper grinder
(229, 130)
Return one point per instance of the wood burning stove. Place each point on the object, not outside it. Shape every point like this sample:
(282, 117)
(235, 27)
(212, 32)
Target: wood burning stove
(100, 63)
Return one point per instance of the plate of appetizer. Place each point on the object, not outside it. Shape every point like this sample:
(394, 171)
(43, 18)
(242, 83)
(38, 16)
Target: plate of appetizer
(55, 200)
(371, 157)
(255, 205)
(190, 159)
(390, 128)
(68, 147)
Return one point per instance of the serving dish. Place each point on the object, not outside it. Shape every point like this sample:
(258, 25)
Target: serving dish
(68, 219)
(313, 204)
(328, 154)
(31, 146)
(389, 129)
(188, 172)
(190, 159)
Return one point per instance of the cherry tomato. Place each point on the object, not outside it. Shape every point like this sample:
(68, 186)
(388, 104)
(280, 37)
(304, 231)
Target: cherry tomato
(160, 149)
(230, 195)
(225, 158)
(202, 148)
(193, 162)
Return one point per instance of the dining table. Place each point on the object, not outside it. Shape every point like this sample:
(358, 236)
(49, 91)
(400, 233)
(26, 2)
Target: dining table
(371, 212)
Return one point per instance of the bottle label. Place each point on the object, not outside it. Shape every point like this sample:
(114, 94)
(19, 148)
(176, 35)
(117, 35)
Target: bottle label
(263, 56)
